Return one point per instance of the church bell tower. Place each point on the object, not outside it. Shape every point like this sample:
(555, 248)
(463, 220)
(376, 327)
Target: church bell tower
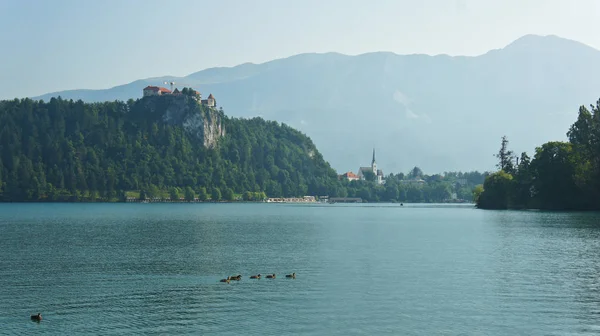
(374, 164)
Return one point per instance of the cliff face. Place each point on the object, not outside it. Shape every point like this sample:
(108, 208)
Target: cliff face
(212, 128)
(206, 124)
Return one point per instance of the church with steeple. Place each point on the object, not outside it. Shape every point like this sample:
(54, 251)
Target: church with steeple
(378, 172)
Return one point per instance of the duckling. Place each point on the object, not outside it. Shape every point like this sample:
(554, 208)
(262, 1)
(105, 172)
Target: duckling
(271, 276)
(293, 275)
(226, 280)
(255, 276)
(236, 277)
(37, 317)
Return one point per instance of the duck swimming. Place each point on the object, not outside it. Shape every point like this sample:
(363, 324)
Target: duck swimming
(37, 317)
(225, 280)
(271, 276)
(255, 276)
(293, 275)
(236, 277)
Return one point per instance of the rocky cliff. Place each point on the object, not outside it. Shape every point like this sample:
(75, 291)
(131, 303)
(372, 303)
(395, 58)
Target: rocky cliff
(204, 123)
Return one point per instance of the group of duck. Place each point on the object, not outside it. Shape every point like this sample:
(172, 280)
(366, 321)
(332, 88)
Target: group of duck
(258, 276)
(38, 316)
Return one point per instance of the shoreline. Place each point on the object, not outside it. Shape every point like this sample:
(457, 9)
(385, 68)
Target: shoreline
(228, 202)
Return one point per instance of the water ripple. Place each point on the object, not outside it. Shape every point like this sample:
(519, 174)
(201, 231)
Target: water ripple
(424, 270)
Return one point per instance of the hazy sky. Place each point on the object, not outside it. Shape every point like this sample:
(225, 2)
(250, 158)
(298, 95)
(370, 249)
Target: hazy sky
(70, 44)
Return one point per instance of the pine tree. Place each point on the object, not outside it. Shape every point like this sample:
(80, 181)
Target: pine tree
(505, 157)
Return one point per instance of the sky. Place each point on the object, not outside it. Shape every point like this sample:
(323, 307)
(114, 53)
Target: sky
(58, 45)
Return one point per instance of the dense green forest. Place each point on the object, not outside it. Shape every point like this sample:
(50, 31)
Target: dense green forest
(167, 147)
(434, 188)
(561, 175)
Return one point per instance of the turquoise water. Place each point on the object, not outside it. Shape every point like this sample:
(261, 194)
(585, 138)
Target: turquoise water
(125, 269)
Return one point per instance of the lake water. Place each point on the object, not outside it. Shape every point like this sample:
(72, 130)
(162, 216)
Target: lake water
(125, 269)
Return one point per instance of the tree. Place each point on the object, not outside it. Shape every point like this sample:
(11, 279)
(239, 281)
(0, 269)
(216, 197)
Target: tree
(440, 192)
(189, 194)
(174, 194)
(477, 191)
(583, 133)
(153, 191)
(523, 180)
(415, 173)
(402, 193)
(554, 166)
(216, 194)
(202, 194)
(505, 157)
(51, 192)
(496, 191)
(369, 176)
(391, 192)
(414, 194)
(229, 195)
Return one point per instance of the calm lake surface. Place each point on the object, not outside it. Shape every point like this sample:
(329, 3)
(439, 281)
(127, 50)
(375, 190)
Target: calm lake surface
(124, 269)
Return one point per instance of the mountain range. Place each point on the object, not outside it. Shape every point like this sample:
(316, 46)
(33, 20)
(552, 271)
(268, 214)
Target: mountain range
(440, 113)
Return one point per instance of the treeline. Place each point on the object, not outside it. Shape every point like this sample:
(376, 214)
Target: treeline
(65, 150)
(561, 175)
(417, 187)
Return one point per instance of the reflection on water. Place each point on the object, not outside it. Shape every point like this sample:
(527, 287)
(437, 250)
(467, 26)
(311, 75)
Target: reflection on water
(361, 269)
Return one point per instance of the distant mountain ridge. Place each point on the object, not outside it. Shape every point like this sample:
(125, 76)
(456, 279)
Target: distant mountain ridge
(440, 113)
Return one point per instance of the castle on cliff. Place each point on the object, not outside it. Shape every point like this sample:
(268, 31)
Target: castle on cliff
(160, 91)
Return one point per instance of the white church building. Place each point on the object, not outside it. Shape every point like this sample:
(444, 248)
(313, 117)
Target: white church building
(378, 172)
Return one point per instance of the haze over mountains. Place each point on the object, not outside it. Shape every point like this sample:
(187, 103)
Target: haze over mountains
(440, 113)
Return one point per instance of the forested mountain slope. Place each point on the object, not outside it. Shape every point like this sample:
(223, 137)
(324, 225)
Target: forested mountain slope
(71, 150)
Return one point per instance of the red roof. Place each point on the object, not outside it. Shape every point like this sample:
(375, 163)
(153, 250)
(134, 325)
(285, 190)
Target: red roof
(156, 89)
(350, 175)
(210, 96)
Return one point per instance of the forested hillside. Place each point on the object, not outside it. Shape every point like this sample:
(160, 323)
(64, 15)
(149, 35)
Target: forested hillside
(173, 147)
(70, 150)
(561, 175)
